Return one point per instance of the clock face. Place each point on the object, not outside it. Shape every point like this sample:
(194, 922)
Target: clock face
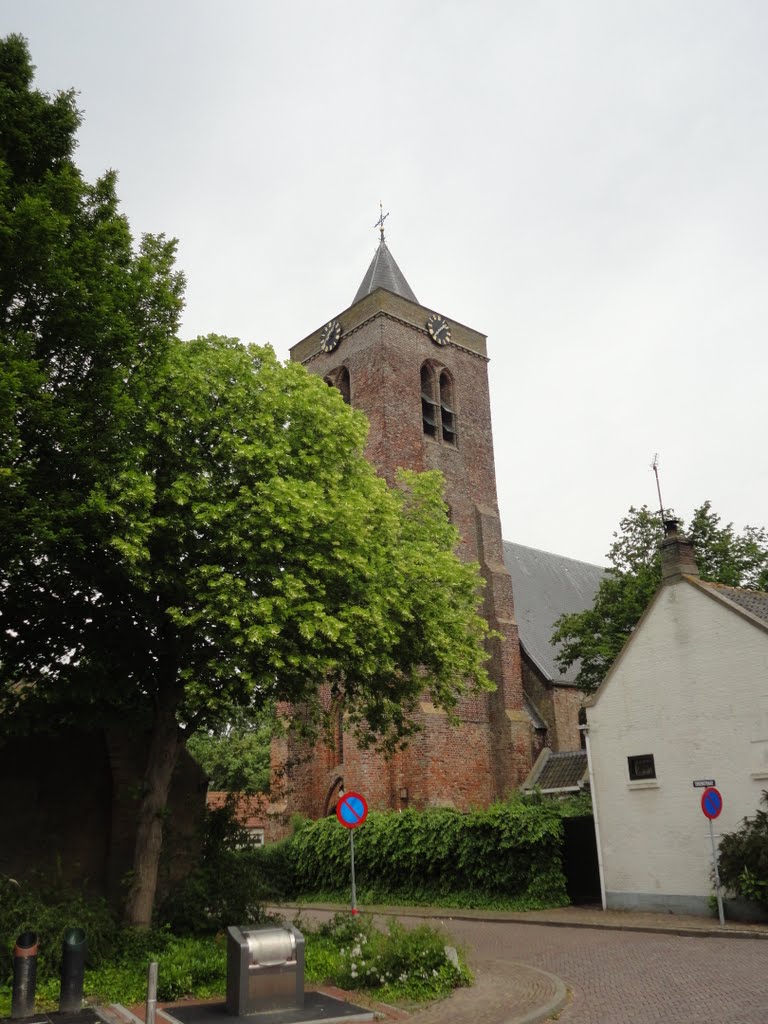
(438, 329)
(330, 336)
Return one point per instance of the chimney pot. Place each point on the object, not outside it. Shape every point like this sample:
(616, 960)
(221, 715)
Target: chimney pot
(677, 555)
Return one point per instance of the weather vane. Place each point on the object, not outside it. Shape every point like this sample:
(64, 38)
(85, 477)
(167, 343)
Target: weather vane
(380, 222)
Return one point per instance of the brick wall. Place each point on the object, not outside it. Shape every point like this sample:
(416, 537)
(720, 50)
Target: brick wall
(384, 345)
(70, 803)
(558, 705)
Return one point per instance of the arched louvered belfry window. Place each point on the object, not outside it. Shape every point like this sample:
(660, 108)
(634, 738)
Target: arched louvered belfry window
(339, 379)
(429, 407)
(343, 384)
(447, 410)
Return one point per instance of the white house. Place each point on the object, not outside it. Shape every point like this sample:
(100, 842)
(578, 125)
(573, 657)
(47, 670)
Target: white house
(687, 699)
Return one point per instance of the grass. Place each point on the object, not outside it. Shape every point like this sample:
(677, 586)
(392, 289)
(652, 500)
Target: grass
(373, 898)
(397, 965)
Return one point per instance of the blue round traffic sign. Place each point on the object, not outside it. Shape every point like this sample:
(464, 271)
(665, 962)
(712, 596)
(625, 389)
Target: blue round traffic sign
(711, 802)
(352, 810)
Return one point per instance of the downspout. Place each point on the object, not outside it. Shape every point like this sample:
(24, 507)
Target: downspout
(593, 791)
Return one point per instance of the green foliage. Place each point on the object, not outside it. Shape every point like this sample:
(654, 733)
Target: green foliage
(743, 858)
(595, 636)
(86, 321)
(575, 805)
(237, 759)
(231, 883)
(186, 967)
(47, 905)
(195, 523)
(400, 964)
(507, 852)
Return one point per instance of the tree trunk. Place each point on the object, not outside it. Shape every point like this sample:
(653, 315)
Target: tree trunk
(163, 753)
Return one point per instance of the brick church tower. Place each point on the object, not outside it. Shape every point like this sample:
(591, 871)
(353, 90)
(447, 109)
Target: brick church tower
(422, 381)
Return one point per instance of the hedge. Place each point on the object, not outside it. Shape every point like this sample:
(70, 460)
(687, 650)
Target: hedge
(510, 852)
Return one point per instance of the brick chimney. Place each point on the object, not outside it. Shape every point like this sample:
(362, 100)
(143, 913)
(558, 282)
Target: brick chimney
(677, 555)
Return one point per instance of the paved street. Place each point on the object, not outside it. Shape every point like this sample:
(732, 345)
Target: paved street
(613, 976)
(620, 977)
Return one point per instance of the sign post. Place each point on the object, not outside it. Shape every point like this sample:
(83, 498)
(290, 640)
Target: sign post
(712, 805)
(352, 810)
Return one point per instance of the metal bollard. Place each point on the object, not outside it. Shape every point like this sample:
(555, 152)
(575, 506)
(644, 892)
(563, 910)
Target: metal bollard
(24, 975)
(74, 950)
(151, 1009)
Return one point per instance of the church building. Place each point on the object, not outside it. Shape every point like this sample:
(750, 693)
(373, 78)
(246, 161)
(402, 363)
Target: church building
(421, 378)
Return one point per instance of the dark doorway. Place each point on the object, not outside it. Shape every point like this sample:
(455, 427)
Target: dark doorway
(582, 876)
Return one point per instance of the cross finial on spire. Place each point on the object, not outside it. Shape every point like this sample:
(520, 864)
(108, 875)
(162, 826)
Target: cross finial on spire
(380, 222)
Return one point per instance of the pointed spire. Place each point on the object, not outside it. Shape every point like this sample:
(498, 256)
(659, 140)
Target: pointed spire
(383, 271)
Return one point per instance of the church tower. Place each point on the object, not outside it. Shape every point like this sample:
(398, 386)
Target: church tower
(422, 381)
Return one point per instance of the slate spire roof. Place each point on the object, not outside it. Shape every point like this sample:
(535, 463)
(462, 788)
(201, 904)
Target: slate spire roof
(384, 273)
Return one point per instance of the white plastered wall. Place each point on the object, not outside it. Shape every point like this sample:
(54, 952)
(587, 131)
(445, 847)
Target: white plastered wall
(691, 689)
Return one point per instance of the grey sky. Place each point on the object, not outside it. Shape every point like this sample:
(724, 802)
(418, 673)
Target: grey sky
(585, 182)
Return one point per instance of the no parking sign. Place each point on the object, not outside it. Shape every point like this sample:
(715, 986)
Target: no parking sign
(711, 806)
(711, 802)
(352, 810)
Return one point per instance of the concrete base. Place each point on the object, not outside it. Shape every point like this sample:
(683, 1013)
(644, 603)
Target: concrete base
(318, 1008)
(85, 1016)
(665, 902)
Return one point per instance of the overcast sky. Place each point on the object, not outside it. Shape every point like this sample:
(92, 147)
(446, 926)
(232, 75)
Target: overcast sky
(584, 182)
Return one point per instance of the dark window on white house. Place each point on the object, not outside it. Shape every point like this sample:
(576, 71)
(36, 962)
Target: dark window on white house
(641, 767)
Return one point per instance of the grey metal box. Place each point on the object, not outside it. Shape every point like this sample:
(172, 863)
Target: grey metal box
(265, 968)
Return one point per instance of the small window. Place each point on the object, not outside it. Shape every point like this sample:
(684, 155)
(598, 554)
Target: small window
(256, 836)
(641, 767)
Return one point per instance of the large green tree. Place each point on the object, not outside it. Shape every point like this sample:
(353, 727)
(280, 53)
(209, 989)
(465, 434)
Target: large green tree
(188, 531)
(256, 556)
(595, 636)
(85, 319)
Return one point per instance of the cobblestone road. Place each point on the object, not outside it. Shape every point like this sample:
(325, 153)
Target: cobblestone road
(618, 977)
(614, 977)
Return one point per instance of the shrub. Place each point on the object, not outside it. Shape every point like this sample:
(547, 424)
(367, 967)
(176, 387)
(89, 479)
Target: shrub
(743, 858)
(510, 851)
(401, 963)
(43, 902)
(229, 886)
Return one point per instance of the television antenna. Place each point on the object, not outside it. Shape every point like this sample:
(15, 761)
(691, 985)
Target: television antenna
(655, 468)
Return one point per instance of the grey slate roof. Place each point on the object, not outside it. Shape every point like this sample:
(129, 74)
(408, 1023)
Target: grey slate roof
(754, 601)
(384, 273)
(564, 771)
(545, 586)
